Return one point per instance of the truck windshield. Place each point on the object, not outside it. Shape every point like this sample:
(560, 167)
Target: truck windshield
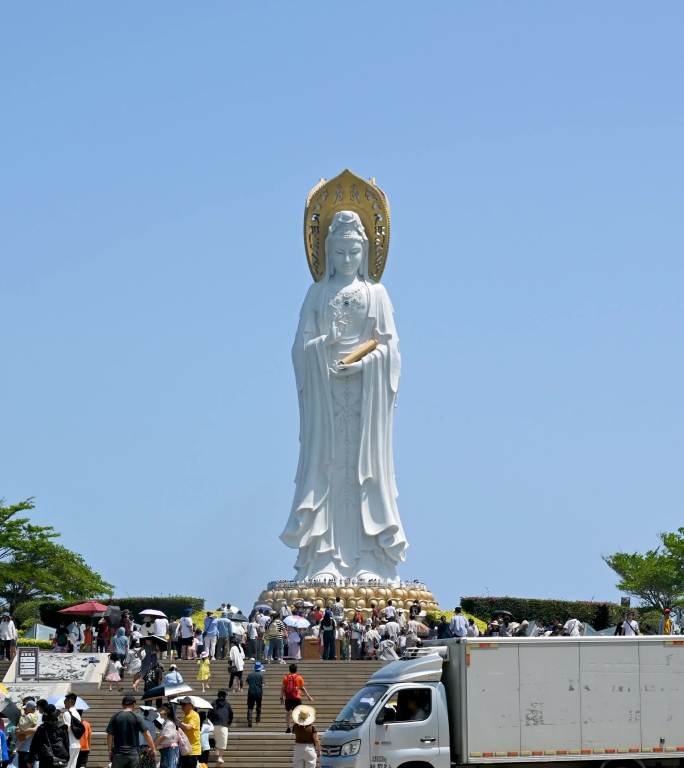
(358, 707)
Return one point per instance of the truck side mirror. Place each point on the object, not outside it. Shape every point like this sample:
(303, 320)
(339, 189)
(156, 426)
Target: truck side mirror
(388, 715)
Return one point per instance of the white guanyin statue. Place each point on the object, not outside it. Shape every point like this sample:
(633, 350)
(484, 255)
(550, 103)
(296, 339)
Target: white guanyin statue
(344, 519)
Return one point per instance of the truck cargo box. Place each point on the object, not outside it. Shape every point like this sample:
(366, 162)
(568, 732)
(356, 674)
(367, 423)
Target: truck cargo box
(563, 698)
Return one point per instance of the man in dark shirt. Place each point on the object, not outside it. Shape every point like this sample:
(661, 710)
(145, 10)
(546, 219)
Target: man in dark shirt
(443, 630)
(255, 692)
(123, 736)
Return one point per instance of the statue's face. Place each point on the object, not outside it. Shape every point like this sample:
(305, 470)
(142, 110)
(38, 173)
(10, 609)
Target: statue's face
(347, 255)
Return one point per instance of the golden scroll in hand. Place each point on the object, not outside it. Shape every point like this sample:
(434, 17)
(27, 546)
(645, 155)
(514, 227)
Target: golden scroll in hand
(360, 352)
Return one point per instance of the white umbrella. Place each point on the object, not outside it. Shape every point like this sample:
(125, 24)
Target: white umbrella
(298, 622)
(197, 701)
(153, 612)
(176, 690)
(58, 702)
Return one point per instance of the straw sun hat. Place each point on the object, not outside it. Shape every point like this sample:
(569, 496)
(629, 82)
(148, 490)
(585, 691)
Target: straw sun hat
(303, 714)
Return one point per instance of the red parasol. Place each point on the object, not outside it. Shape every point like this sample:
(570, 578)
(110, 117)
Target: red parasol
(85, 609)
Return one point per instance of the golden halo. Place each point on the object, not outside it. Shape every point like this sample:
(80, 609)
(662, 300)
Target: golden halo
(347, 192)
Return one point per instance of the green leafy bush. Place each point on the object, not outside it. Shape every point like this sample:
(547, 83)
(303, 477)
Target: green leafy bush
(27, 642)
(437, 615)
(26, 614)
(599, 615)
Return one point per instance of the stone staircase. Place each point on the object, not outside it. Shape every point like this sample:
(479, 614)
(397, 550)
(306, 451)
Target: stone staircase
(331, 683)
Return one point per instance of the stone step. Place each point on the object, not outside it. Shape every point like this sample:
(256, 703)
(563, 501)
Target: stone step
(331, 683)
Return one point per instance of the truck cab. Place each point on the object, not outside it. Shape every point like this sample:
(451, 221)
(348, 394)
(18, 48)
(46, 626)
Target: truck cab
(398, 720)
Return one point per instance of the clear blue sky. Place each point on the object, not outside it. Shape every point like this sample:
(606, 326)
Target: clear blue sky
(155, 161)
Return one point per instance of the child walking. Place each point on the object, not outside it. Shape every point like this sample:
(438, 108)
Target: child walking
(113, 672)
(195, 647)
(204, 670)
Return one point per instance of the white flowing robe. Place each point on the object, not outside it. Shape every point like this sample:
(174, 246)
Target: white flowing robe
(373, 540)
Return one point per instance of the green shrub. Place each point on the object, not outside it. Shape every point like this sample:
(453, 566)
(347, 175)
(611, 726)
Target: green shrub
(27, 642)
(173, 606)
(599, 615)
(437, 615)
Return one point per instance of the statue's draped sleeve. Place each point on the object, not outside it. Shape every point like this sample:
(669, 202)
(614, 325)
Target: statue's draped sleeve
(381, 370)
(309, 355)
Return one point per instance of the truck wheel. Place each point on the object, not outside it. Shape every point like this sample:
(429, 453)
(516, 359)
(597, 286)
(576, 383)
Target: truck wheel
(416, 765)
(622, 764)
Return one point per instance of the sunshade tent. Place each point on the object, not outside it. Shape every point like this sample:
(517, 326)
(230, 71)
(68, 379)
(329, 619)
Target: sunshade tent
(88, 608)
(40, 632)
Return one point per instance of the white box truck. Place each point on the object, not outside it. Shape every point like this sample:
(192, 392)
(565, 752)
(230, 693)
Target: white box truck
(496, 701)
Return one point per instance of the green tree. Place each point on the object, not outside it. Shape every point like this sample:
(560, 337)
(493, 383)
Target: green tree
(34, 567)
(655, 577)
(16, 531)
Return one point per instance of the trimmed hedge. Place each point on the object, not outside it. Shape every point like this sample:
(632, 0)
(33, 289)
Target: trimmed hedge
(173, 606)
(599, 615)
(437, 615)
(27, 642)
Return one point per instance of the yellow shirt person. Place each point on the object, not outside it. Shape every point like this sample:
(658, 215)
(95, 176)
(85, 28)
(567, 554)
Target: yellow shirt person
(191, 726)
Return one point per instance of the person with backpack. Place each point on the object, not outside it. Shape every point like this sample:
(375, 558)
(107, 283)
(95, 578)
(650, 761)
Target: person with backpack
(75, 728)
(123, 736)
(237, 665)
(255, 692)
(222, 717)
(273, 636)
(133, 664)
(152, 672)
(291, 694)
(173, 677)
(50, 743)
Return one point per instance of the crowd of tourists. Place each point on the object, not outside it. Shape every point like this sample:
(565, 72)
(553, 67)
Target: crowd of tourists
(505, 626)
(43, 733)
(142, 736)
(142, 656)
